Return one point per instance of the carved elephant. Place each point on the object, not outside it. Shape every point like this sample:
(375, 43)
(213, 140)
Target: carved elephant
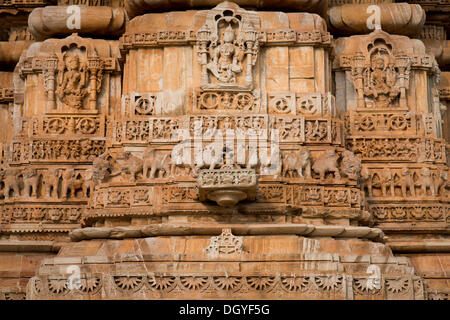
(50, 183)
(11, 183)
(30, 182)
(299, 161)
(327, 163)
(156, 162)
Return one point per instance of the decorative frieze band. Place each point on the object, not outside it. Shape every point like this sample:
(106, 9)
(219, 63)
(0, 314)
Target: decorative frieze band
(56, 150)
(177, 37)
(161, 285)
(413, 149)
(409, 212)
(13, 214)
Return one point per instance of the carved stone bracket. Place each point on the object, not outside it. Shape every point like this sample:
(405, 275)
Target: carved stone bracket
(227, 186)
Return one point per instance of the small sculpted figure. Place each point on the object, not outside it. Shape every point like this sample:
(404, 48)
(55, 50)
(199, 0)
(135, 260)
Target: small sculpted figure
(30, 182)
(442, 182)
(426, 181)
(72, 80)
(11, 182)
(156, 162)
(407, 183)
(298, 161)
(70, 183)
(387, 182)
(129, 166)
(50, 183)
(351, 165)
(327, 163)
(225, 58)
(366, 181)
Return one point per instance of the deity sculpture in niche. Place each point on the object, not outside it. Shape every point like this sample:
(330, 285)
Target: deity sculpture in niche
(73, 76)
(226, 58)
(380, 78)
(72, 81)
(227, 47)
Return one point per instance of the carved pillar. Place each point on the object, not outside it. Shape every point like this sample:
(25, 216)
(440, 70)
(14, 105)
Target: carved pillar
(51, 63)
(94, 66)
(251, 37)
(357, 74)
(203, 37)
(403, 64)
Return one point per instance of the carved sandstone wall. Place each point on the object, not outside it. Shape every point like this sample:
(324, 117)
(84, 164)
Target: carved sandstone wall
(165, 150)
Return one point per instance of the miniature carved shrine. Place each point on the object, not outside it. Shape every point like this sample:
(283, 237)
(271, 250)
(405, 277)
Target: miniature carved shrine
(224, 150)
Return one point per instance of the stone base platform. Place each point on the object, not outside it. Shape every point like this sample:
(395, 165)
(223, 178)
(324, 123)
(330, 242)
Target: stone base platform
(226, 267)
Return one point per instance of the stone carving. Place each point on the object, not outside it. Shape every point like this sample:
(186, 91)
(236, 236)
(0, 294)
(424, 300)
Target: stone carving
(101, 168)
(72, 81)
(71, 184)
(289, 128)
(157, 162)
(426, 182)
(58, 150)
(366, 181)
(226, 58)
(442, 182)
(227, 100)
(11, 183)
(327, 163)
(380, 77)
(299, 161)
(407, 183)
(409, 212)
(387, 182)
(316, 130)
(225, 244)
(74, 74)
(226, 42)
(101, 139)
(129, 166)
(350, 165)
(227, 186)
(30, 182)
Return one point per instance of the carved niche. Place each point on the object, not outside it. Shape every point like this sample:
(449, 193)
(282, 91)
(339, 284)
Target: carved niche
(379, 76)
(73, 76)
(228, 47)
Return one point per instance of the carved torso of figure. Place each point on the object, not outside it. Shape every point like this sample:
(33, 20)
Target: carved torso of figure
(225, 53)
